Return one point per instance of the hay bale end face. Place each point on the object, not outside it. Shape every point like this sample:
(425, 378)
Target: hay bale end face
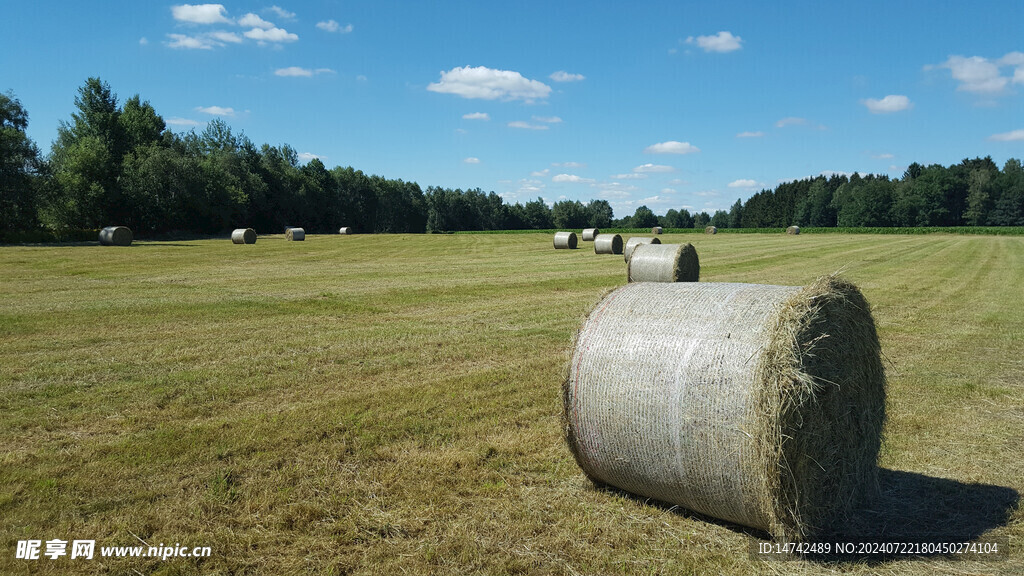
(635, 241)
(663, 263)
(116, 236)
(711, 230)
(760, 405)
(656, 230)
(346, 230)
(590, 233)
(296, 234)
(243, 236)
(608, 244)
(565, 240)
(793, 230)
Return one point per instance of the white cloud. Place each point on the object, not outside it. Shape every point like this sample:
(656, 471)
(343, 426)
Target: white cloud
(143, 41)
(883, 156)
(548, 119)
(200, 13)
(296, 71)
(271, 35)
(721, 42)
(189, 42)
(750, 134)
(307, 156)
(471, 160)
(656, 200)
(633, 176)
(176, 121)
(225, 37)
(653, 168)
(489, 84)
(526, 125)
(743, 183)
(1012, 136)
(282, 12)
(476, 116)
(571, 178)
(530, 187)
(216, 110)
(251, 20)
(671, 147)
(889, 104)
(976, 74)
(540, 173)
(668, 190)
(563, 76)
(790, 121)
(333, 26)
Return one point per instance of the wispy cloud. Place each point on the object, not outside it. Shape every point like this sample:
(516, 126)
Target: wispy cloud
(652, 169)
(526, 125)
(176, 121)
(489, 84)
(548, 119)
(333, 26)
(750, 134)
(1012, 136)
(307, 156)
(251, 20)
(671, 147)
(883, 156)
(791, 121)
(722, 42)
(471, 160)
(200, 13)
(296, 71)
(889, 104)
(282, 12)
(571, 178)
(476, 116)
(563, 76)
(569, 164)
(743, 183)
(216, 110)
(629, 176)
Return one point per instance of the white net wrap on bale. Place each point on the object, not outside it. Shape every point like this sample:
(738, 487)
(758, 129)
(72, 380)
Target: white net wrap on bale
(565, 240)
(116, 236)
(656, 230)
(711, 230)
(793, 230)
(635, 241)
(590, 233)
(663, 263)
(345, 230)
(608, 244)
(295, 234)
(243, 236)
(760, 405)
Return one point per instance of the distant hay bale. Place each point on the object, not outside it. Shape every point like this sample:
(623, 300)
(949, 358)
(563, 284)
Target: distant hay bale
(243, 236)
(346, 230)
(760, 405)
(296, 234)
(711, 230)
(793, 230)
(663, 263)
(608, 244)
(590, 233)
(116, 236)
(656, 230)
(565, 240)
(635, 241)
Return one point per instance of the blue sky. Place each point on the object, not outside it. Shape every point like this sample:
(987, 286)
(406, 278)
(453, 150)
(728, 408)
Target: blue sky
(668, 104)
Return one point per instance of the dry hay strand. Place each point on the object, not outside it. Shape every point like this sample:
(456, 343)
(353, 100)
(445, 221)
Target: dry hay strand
(793, 230)
(297, 234)
(711, 230)
(346, 230)
(608, 244)
(565, 240)
(116, 236)
(663, 263)
(656, 230)
(635, 241)
(243, 236)
(590, 233)
(759, 405)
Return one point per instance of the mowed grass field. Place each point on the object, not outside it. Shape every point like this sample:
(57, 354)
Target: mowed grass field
(391, 404)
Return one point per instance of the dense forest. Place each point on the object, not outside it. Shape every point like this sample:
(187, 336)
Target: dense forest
(119, 164)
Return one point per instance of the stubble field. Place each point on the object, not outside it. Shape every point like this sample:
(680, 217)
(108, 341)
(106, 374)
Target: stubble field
(391, 404)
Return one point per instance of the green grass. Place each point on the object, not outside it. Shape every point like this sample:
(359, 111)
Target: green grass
(390, 404)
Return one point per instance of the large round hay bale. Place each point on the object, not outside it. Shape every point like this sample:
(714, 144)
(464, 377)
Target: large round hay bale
(590, 233)
(243, 236)
(760, 405)
(635, 241)
(608, 244)
(565, 240)
(116, 236)
(711, 230)
(793, 230)
(663, 263)
(346, 230)
(296, 234)
(656, 230)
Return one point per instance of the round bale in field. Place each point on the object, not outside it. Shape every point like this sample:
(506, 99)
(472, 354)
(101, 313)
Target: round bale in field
(656, 230)
(608, 244)
(635, 241)
(296, 234)
(760, 405)
(243, 236)
(346, 230)
(793, 230)
(590, 233)
(565, 240)
(116, 236)
(711, 230)
(663, 263)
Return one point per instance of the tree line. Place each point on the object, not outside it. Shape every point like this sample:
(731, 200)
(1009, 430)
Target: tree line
(119, 164)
